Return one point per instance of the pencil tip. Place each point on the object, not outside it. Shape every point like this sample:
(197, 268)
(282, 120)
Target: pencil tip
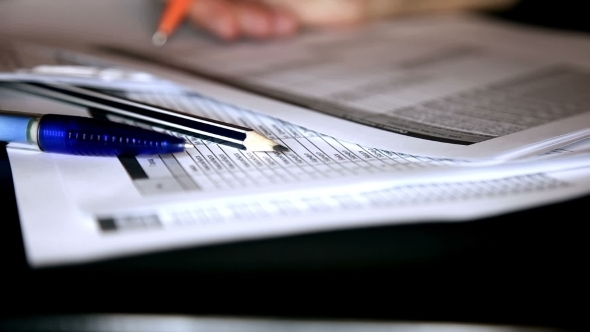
(280, 148)
(257, 142)
(159, 38)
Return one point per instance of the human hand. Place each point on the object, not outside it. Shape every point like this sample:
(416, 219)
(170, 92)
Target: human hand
(232, 19)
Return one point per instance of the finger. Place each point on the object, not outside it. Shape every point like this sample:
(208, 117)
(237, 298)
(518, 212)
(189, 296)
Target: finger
(283, 22)
(324, 12)
(215, 16)
(253, 19)
(259, 20)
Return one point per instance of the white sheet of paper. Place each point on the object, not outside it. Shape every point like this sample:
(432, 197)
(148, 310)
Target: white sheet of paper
(453, 86)
(448, 86)
(79, 209)
(68, 219)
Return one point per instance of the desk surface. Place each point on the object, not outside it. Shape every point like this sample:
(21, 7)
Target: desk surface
(521, 268)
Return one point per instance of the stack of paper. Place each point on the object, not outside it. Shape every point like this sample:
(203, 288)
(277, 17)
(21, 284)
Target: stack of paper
(430, 119)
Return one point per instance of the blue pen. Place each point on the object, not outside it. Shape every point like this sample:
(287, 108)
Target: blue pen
(84, 136)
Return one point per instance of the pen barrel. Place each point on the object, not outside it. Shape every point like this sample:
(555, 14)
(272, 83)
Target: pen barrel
(95, 137)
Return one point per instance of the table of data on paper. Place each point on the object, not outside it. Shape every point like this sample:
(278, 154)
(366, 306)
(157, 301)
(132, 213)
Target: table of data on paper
(212, 166)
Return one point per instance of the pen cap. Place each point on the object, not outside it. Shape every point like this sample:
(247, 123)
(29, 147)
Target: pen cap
(96, 137)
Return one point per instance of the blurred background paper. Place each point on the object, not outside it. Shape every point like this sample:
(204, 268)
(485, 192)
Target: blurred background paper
(449, 86)
(105, 21)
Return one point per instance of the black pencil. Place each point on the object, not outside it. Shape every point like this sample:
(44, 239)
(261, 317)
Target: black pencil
(156, 117)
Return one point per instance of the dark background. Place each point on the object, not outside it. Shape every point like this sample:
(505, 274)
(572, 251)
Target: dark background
(524, 268)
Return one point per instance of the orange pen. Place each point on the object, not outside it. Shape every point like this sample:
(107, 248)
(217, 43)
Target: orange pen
(173, 15)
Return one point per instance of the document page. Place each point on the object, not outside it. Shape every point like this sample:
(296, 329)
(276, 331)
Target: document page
(454, 86)
(78, 209)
